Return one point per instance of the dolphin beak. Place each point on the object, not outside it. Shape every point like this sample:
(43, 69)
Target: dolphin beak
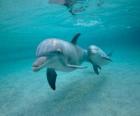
(39, 64)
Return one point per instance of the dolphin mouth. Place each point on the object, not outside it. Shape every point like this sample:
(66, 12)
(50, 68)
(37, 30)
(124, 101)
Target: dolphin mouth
(39, 64)
(36, 68)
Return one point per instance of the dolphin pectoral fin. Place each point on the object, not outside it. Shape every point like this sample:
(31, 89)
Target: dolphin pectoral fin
(75, 38)
(51, 77)
(96, 67)
(75, 66)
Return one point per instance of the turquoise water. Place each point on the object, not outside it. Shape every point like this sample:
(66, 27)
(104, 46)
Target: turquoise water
(114, 26)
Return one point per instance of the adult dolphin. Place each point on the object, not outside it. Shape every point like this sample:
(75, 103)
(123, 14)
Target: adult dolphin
(56, 54)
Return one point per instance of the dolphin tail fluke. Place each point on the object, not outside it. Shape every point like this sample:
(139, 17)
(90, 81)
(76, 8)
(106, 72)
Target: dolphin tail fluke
(51, 77)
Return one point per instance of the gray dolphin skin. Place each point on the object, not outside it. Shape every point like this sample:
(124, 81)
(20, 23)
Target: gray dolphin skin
(59, 55)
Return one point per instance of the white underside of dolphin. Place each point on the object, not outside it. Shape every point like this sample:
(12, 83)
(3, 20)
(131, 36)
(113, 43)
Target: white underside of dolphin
(59, 55)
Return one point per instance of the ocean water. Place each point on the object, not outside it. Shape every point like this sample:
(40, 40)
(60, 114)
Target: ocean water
(113, 26)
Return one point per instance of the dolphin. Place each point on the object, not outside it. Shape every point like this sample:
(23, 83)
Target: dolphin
(98, 57)
(58, 55)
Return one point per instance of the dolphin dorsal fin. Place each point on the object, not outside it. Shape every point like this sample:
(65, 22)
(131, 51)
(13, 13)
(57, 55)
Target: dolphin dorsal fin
(75, 38)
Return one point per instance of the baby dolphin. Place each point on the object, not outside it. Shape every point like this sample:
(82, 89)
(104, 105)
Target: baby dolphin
(59, 55)
(98, 57)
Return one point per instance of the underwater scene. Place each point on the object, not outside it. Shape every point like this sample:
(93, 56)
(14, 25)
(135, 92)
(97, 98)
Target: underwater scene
(69, 58)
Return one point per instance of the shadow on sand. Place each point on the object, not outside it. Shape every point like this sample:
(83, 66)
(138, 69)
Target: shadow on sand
(69, 100)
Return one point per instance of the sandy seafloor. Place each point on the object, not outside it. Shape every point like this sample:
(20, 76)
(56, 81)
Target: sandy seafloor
(115, 92)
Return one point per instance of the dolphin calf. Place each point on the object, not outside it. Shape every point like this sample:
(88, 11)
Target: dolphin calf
(98, 57)
(59, 55)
